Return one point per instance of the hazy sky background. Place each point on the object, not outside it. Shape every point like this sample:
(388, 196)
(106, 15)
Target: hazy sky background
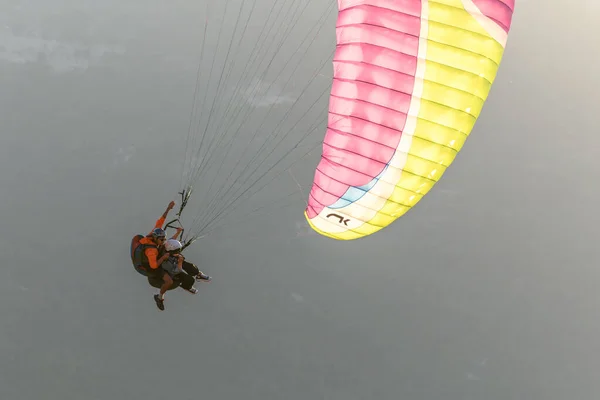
(487, 290)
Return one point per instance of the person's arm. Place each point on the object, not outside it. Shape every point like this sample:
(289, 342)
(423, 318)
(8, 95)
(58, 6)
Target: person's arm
(179, 230)
(164, 258)
(159, 222)
(151, 254)
(180, 262)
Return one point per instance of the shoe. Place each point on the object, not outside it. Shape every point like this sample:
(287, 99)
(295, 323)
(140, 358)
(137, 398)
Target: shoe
(202, 277)
(192, 290)
(160, 303)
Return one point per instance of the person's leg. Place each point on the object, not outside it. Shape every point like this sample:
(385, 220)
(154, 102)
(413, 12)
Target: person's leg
(192, 269)
(167, 282)
(163, 282)
(187, 282)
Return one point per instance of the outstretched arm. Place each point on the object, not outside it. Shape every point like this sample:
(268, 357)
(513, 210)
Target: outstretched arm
(163, 217)
(179, 230)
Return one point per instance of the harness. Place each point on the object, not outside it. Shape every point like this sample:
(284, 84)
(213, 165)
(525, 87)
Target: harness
(138, 255)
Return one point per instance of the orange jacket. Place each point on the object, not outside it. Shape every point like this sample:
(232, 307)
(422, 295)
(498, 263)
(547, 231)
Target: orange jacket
(152, 252)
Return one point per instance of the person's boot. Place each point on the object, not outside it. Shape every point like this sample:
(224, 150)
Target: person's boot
(160, 303)
(202, 277)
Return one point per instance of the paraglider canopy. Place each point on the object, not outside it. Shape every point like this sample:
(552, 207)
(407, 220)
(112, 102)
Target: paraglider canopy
(410, 80)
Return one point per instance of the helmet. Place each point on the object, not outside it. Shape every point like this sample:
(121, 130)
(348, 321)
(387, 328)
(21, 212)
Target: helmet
(158, 234)
(173, 245)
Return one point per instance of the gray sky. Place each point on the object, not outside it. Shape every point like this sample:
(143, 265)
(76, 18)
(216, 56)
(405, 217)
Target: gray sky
(486, 290)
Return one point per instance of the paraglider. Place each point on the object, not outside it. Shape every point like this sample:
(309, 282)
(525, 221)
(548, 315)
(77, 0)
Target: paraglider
(410, 80)
(159, 259)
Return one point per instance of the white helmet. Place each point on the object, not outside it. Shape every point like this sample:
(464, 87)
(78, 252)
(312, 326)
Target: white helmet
(173, 245)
